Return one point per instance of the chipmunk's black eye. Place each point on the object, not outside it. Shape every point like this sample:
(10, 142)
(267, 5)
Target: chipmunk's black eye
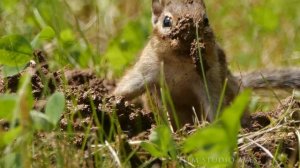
(205, 21)
(167, 22)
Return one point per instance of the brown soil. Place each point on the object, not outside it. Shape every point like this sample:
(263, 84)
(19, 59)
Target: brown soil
(90, 105)
(184, 29)
(84, 91)
(273, 131)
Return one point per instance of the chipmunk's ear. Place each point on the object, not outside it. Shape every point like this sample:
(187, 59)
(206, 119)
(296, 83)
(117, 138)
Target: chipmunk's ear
(157, 8)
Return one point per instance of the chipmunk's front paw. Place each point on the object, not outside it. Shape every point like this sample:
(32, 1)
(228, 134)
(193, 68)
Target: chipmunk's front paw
(124, 91)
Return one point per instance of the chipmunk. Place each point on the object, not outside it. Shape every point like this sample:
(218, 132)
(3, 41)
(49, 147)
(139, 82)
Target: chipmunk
(183, 49)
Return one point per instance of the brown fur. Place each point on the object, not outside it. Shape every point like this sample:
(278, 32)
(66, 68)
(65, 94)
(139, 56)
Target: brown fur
(169, 50)
(185, 84)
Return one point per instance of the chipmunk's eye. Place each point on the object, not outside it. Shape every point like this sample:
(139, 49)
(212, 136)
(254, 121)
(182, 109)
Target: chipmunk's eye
(167, 21)
(205, 21)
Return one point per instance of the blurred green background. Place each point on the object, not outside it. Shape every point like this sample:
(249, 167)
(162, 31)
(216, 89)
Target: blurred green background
(107, 35)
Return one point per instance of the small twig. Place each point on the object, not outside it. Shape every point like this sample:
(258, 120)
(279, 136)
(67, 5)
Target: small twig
(262, 131)
(135, 142)
(197, 121)
(147, 163)
(245, 146)
(129, 142)
(265, 150)
(298, 136)
(114, 154)
(186, 162)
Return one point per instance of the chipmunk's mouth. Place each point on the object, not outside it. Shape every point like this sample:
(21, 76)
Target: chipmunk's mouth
(191, 38)
(184, 30)
(184, 33)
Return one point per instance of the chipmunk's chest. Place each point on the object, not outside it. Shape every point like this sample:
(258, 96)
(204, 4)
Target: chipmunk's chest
(182, 78)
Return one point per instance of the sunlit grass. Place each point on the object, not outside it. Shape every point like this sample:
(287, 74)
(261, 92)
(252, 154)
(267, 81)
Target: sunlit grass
(257, 34)
(254, 34)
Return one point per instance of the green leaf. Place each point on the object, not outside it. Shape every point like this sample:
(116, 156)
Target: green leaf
(208, 147)
(161, 143)
(11, 160)
(25, 94)
(213, 146)
(8, 71)
(205, 139)
(41, 121)
(15, 50)
(67, 35)
(55, 107)
(9, 136)
(47, 33)
(7, 106)
(231, 117)
(153, 149)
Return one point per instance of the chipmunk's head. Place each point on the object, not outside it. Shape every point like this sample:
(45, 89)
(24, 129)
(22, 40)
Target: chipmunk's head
(175, 22)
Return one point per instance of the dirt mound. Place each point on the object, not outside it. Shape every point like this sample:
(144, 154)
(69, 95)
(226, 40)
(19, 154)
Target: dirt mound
(270, 140)
(88, 101)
